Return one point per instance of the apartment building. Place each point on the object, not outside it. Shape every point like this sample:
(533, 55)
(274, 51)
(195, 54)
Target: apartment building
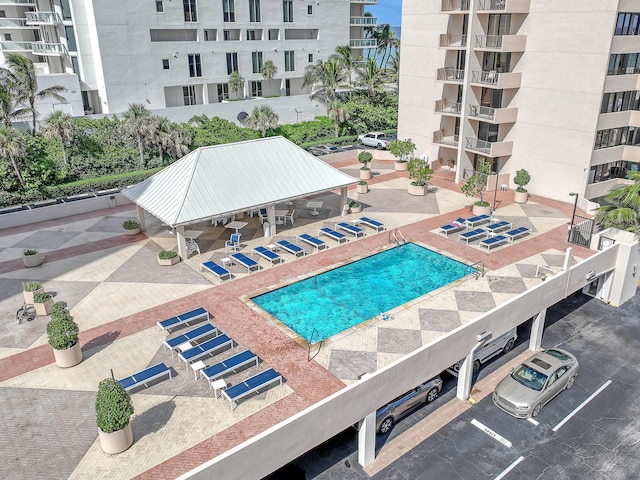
(551, 87)
(172, 53)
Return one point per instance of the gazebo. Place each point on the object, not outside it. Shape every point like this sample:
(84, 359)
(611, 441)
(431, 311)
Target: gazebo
(223, 180)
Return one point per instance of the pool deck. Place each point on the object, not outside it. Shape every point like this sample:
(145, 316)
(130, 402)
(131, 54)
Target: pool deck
(117, 292)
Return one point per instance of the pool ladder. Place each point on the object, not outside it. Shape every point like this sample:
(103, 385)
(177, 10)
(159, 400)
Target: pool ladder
(397, 237)
(478, 269)
(314, 333)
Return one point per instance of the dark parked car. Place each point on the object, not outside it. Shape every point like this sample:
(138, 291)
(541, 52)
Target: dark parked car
(323, 149)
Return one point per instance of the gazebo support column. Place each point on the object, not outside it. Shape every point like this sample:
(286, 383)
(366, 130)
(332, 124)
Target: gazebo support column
(182, 243)
(271, 218)
(344, 200)
(143, 226)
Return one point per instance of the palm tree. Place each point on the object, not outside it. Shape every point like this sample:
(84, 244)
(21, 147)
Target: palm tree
(178, 143)
(624, 211)
(338, 114)
(344, 56)
(61, 126)
(326, 77)
(261, 118)
(7, 101)
(383, 36)
(139, 124)
(370, 77)
(269, 71)
(23, 74)
(12, 146)
(236, 82)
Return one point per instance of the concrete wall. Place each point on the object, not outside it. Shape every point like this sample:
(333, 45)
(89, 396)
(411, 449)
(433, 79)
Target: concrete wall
(286, 441)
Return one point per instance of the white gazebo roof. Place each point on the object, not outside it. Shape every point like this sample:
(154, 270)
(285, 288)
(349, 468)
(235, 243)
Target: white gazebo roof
(224, 179)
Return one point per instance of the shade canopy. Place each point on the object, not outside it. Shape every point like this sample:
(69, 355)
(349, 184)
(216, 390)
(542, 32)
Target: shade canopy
(226, 179)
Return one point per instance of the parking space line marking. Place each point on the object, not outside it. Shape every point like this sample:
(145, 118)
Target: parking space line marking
(579, 407)
(491, 433)
(509, 468)
(534, 421)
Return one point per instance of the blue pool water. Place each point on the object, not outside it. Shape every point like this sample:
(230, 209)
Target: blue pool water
(349, 295)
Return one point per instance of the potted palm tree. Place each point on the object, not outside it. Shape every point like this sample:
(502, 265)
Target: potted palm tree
(29, 289)
(364, 158)
(113, 415)
(168, 257)
(521, 179)
(476, 185)
(362, 187)
(62, 333)
(131, 227)
(403, 151)
(32, 258)
(420, 173)
(42, 302)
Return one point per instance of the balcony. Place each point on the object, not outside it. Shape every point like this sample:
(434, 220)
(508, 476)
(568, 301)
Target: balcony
(453, 42)
(442, 138)
(13, 23)
(366, 2)
(501, 43)
(493, 79)
(43, 18)
(630, 153)
(359, 21)
(23, 3)
(448, 108)
(15, 47)
(493, 115)
(450, 75)
(492, 149)
(48, 49)
(454, 6)
(504, 6)
(363, 43)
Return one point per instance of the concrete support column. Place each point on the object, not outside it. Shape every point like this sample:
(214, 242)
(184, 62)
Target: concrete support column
(537, 328)
(143, 226)
(344, 200)
(367, 440)
(182, 243)
(271, 218)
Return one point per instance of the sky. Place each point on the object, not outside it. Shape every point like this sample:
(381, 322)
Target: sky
(387, 11)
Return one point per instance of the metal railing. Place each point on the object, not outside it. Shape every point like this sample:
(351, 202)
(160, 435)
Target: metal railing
(48, 18)
(363, 42)
(13, 22)
(363, 21)
(454, 5)
(489, 41)
(581, 230)
(18, 2)
(41, 48)
(481, 112)
(368, 2)
(450, 73)
(314, 333)
(477, 144)
(15, 46)
(442, 106)
(492, 5)
(440, 137)
(490, 77)
(448, 40)
(605, 242)
(398, 238)
(478, 269)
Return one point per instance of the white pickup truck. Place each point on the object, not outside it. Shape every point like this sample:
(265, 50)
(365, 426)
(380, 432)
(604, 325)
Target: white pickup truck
(377, 140)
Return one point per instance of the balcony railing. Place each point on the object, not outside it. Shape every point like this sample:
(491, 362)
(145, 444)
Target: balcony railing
(493, 149)
(492, 4)
(41, 48)
(440, 137)
(18, 2)
(479, 111)
(363, 21)
(480, 145)
(15, 46)
(508, 6)
(454, 6)
(43, 18)
(13, 23)
(442, 106)
(368, 2)
(489, 41)
(490, 77)
(452, 41)
(450, 74)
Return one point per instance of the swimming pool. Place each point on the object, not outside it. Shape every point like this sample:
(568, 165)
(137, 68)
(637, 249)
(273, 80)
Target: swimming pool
(321, 306)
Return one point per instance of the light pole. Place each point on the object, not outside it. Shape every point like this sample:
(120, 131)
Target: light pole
(575, 205)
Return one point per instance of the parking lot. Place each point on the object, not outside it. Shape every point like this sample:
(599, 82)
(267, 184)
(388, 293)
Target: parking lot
(590, 431)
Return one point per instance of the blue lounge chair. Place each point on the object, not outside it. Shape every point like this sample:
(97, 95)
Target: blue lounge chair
(231, 364)
(252, 384)
(337, 236)
(496, 227)
(291, 248)
(371, 223)
(473, 222)
(247, 262)
(267, 254)
(145, 376)
(207, 348)
(494, 241)
(313, 241)
(197, 315)
(352, 229)
(517, 233)
(472, 235)
(455, 226)
(217, 270)
(191, 336)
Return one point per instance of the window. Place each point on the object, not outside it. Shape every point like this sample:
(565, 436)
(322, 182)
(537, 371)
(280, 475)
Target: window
(251, 35)
(608, 171)
(254, 11)
(232, 62)
(71, 38)
(75, 66)
(628, 24)
(287, 87)
(311, 58)
(287, 11)
(289, 61)
(189, 95)
(624, 64)
(228, 11)
(256, 61)
(614, 137)
(66, 11)
(159, 6)
(620, 101)
(3, 14)
(165, 64)
(190, 14)
(309, 9)
(256, 88)
(274, 34)
(223, 91)
(195, 67)
(7, 37)
(210, 35)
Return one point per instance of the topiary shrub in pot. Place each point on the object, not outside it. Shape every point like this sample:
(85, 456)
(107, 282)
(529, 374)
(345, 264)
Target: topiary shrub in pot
(28, 290)
(476, 185)
(355, 207)
(113, 415)
(32, 258)
(521, 179)
(168, 257)
(62, 333)
(131, 227)
(403, 150)
(364, 158)
(42, 302)
(420, 173)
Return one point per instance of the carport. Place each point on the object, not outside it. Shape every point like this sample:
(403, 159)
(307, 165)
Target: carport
(225, 180)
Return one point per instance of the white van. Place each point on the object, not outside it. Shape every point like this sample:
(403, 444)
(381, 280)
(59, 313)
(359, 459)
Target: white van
(494, 347)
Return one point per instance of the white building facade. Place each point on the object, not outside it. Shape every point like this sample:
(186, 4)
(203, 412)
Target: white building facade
(176, 53)
(551, 87)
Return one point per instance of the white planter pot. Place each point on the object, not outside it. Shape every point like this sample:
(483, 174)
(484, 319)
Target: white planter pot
(520, 197)
(479, 210)
(43, 308)
(169, 261)
(355, 209)
(365, 174)
(135, 231)
(28, 296)
(116, 442)
(69, 357)
(401, 166)
(362, 188)
(32, 260)
(418, 190)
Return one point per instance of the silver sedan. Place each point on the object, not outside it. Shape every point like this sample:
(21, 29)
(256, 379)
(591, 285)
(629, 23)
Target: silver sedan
(536, 382)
